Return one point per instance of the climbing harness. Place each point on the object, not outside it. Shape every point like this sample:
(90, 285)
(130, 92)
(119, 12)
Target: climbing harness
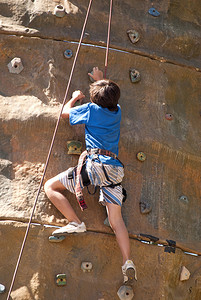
(50, 149)
(82, 172)
(97, 152)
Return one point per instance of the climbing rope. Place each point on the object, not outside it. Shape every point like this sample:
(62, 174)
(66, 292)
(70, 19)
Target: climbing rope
(108, 39)
(50, 149)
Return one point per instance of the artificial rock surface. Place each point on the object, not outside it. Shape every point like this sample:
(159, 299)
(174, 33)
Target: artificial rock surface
(168, 59)
(42, 261)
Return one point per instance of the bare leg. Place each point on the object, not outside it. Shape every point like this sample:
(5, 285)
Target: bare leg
(120, 230)
(53, 189)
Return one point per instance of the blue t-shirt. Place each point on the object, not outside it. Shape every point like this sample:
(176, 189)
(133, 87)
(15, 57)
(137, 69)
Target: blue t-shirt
(102, 128)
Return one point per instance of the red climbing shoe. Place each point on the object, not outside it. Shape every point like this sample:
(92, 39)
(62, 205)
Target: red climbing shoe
(70, 228)
(129, 273)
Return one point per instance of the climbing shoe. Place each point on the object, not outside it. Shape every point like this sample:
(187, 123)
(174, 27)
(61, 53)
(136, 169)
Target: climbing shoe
(70, 228)
(129, 273)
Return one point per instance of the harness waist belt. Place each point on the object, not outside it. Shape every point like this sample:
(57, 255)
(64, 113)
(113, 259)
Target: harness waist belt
(103, 152)
(78, 189)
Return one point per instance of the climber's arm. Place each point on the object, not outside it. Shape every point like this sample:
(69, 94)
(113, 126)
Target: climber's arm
(77, 95)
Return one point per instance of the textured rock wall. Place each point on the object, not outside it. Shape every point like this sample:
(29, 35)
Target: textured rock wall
(168, 58)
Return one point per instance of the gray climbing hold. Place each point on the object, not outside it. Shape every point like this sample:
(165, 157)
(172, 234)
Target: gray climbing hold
(2, 288)
(125, 292)
(133, 36)
(169, 117)
(134, 75)
(86, 266)
(15, 66)
(56, 239)
(106, 222)
(154, 12)
(68, 53)
(145, 208)
(59, 11)
(183, 199)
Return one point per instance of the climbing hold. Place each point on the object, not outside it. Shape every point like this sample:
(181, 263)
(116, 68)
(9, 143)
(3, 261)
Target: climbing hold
(154, 12)
(74, 147)
(183, 199)
(56, 239)
(141, 156)
(133, 36)
(60, 279)
(106, 222)
(134, 75)
(145, 208)
(59, 11)
(169, 117)
(68, 53)
(86, 266)
(125, 292)
(15, 66)
(2, 288)
(185, 274)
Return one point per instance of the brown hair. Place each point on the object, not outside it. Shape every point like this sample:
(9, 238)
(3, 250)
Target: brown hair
(105, 93)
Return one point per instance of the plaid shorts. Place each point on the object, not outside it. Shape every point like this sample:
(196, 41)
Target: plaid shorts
(97, 177)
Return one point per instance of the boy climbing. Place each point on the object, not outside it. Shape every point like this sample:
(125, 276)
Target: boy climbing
(100, 165)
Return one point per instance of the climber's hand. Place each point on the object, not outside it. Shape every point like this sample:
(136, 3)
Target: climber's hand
(97, 74)
(77, 95)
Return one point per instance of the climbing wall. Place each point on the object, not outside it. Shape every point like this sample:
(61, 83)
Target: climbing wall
(155, 57)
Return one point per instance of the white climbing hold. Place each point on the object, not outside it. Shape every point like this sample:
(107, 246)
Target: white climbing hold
(2, 288)
(59, 11)
(15, 66)
(185, 274)
(125, 292)
(86, 266)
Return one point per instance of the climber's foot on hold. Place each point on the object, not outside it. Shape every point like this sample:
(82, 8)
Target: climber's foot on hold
(129, 273)
(72, 227)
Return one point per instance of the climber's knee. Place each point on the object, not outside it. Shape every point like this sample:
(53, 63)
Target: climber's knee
(53, 184)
